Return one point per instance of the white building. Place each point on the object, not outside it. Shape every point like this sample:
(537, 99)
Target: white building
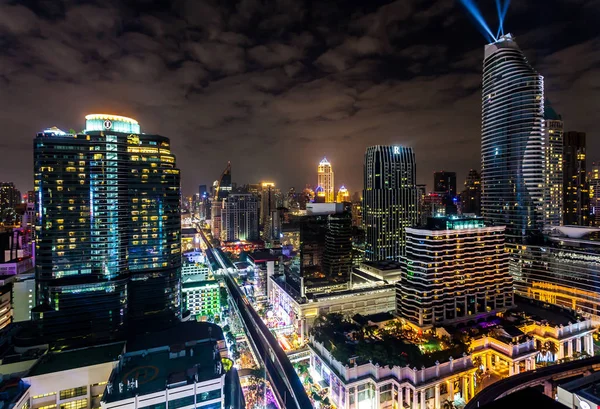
(325, 180)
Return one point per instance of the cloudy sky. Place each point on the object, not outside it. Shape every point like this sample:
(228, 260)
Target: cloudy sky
(275, 85)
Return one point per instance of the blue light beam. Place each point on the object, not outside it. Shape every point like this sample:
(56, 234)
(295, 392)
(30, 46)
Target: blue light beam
(476, 14)
(502, 10)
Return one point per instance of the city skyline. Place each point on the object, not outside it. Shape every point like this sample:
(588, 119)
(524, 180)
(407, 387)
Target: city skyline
(259, 99)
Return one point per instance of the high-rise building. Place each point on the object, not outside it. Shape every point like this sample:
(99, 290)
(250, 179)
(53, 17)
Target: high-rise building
(455, 268)
(389, 200)
(108, 229)
(576, 190)
(337, 257)
(221, 189)
(267, 202)
(432, 206)
(512, 151)
(594, 183)
(10, 196)
(553, 187)
(325, 180)
(470, 198)
(444, 183)
(343, 195)
(239, 217)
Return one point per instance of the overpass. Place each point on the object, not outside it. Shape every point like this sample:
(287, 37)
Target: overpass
(541, 376)
(287, 387)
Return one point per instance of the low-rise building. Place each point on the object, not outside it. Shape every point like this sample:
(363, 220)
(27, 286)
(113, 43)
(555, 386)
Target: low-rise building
(200, 290)
(582, 393)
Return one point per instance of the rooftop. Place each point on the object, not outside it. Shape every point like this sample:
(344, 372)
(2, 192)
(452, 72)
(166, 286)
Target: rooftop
(181, 333)
(525, 399)
(65, 360)
(587, 387)
(554, 315)
(169, 367)
(383, 265)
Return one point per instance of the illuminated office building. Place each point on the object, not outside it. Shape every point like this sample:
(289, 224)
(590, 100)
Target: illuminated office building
(10, 196)
(512, 151)
(239, 218)
(576, 190)
(594, 183)
(389, 200)
(553, 187)
(444, 183)
(325, 180)
(432, 206)
(470, 198)
(337, 257)
(221, 189)
(108, 229)
(343, 195)
(454, 268)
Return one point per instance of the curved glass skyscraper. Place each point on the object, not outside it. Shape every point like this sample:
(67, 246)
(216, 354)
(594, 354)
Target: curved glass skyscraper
(389, 200)
(512, 151)
(108, 229)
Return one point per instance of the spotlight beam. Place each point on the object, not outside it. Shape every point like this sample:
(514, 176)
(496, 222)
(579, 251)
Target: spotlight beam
(476, 14)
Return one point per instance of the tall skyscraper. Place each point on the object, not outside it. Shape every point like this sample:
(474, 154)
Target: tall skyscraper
(389, 200)
(454, 269)
(222, 188)
(512, 151)
(325, 180)
(337, 257)
(553, 187)
(576, 189)
(594, 183)
(267, 201)
(10, 196)
(108, 229)
(471, 196)
(239, 217)
(444, 183)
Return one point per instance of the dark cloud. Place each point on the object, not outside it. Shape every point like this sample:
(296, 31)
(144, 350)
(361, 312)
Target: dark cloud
(275, 85)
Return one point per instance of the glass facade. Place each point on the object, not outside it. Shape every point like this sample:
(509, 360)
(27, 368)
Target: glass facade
(389, 200)
(99, 262)
(512, 152)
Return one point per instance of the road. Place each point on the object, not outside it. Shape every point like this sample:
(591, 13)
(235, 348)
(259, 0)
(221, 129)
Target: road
(287, 387)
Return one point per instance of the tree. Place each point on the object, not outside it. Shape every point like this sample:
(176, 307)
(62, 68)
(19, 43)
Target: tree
(226, 328)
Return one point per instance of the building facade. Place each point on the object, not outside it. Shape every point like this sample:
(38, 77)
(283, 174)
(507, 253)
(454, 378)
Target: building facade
(553, 188)
(10, 196)
(470, 198)
(343, 195)
(576, 189)
(239, 217)
(389, 200)
(325, 180)
(108, 229)
(512, 151)
(454, 269)
(594, 184)
(337, 257)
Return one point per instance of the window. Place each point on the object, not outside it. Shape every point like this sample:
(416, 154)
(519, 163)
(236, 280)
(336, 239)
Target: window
(76, 404)
(48, 406)
(44, 395)
(25, 405)
(181, 402)
(73, 392)
(206, 396)
(155, 406)
(211, 406)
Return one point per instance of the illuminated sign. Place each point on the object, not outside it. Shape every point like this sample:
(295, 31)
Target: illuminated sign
(107, 124)
(396, 150)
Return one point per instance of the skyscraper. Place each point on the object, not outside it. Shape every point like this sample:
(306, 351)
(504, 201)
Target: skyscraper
(444, 183)
(594, 183)
(389, 200)
(325, 180)
(471, 196)
(553, 187)
(10, 196)
(512, 151)
(343, 195)
(108, 229)
(576, 189)
(337, 257)
(267, 202)
(222, 188)
(239, 217)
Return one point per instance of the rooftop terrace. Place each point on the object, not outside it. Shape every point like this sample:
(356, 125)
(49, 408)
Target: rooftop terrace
(66, 360)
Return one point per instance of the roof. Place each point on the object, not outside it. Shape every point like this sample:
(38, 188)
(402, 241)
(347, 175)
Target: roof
(587, 387)
(157, 370)
(375, 318)
(66, 360)
(553, 314)
(179, 334)
(263, 255)
(550, 113)
(525, 399)
(383, 265)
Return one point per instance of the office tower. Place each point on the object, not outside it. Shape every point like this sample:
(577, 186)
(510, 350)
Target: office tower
(594, 184)
(470, 198)
(454, 269)
(267, 201)
(239, 217)
(389, 200)
(512, 152)
(553, 187)
(444, 183)
(343, 195)
(576, 190)
(108, 229)
(10, 196)
(325, 180)
(320, 195)
(221, 189)
(337, 257)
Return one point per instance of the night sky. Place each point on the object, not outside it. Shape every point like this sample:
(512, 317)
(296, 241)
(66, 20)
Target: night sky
(276, 85)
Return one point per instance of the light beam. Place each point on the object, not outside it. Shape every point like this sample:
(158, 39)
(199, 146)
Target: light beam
(476, 14)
